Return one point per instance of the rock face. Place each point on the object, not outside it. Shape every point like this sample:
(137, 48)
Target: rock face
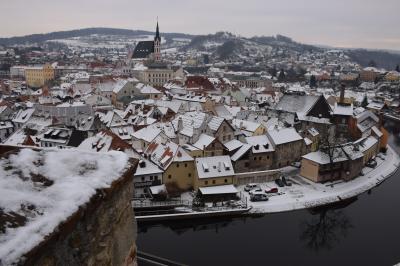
(101, 232)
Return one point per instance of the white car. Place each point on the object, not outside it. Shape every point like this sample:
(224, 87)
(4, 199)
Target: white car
(255, 191)
(250, 186)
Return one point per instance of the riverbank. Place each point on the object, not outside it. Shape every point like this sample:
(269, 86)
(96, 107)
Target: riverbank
(304, 194)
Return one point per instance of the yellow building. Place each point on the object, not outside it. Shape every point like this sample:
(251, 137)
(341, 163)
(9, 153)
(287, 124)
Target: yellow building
(392, 76)
(176, 163)
(179, 175)
(37, 76)
(213, 171)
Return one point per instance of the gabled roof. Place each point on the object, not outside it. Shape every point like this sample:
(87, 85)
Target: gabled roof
(204, 141)
(242, 151)
(284, 135)
(260, 144)
(233, 145)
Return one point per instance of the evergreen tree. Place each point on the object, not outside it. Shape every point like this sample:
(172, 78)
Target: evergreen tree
(372, 63)
(273, 72)
(398, 68)
(281, 76)
(313, 81)
(364, 102)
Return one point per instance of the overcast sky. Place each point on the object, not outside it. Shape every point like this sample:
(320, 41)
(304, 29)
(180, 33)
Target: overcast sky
(344, 23)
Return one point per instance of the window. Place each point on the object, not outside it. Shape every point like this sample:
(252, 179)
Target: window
(226, 180)
(169, 176)
(142, 178)
(205, 182)
(177, 165)
(189, 175)
(151, 178)
(255, 158)
(185, 165)
(259, 158)
(246, 164)
(213, 182)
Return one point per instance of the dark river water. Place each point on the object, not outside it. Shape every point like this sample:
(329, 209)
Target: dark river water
(365, 232)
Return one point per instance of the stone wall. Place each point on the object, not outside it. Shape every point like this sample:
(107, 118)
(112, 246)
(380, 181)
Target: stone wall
(103, 232)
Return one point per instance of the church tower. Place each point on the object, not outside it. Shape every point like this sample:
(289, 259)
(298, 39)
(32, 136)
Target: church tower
(157, 44)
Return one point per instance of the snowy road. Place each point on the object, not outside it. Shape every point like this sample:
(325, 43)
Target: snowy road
(306, 194)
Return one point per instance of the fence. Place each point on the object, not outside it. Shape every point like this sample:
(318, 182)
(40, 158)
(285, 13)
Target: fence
(256, 177)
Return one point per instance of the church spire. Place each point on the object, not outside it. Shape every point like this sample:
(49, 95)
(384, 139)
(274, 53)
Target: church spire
(157, 32)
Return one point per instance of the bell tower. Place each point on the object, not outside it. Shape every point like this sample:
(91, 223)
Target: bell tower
(157, 44)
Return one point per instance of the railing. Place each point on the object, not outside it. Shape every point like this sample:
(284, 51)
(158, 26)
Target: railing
(136, 203)
(149, 259)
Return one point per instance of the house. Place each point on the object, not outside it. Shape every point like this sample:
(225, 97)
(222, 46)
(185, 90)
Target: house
(190, 126)
(248, 128)
(6, 129)
(123, 89)
(221, 129)
(369, 146)
(157, 74)
(209, 146)
(61, 138)
(262, 153)
(105, 141)
(150, 92)
(177, 164)
(288, 145)
(361, 124)
(213, 171)
(143, 137)
(147, 175)
(340, 163)
(304, 112)
(38, 76)
(22, 116)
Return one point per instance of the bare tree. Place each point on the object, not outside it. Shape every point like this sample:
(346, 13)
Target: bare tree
(325, 230)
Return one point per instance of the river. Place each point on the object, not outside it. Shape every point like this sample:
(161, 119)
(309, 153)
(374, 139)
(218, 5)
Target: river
(365, 232)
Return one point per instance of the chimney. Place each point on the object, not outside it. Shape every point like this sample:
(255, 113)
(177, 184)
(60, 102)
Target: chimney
(342, 89)
(180, 124)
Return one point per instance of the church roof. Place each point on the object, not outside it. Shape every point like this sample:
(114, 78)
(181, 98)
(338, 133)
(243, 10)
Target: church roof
(143, 49)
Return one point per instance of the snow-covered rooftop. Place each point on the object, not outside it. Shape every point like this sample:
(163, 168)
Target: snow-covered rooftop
(216, 166)
(44, 188)
(284, 135)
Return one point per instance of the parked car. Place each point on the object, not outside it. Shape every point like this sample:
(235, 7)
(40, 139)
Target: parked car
(256, 190)
(285, 182)
(271, 190)
(279, 182)
(371, 163)
(296, 164)
(259, 197)
(250, 186)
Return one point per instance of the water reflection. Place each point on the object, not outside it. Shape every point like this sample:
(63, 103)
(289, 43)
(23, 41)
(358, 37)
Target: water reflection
(184, 226)
(326, 227)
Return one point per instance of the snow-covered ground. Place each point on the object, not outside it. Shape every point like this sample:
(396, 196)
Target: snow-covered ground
(305, 194)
